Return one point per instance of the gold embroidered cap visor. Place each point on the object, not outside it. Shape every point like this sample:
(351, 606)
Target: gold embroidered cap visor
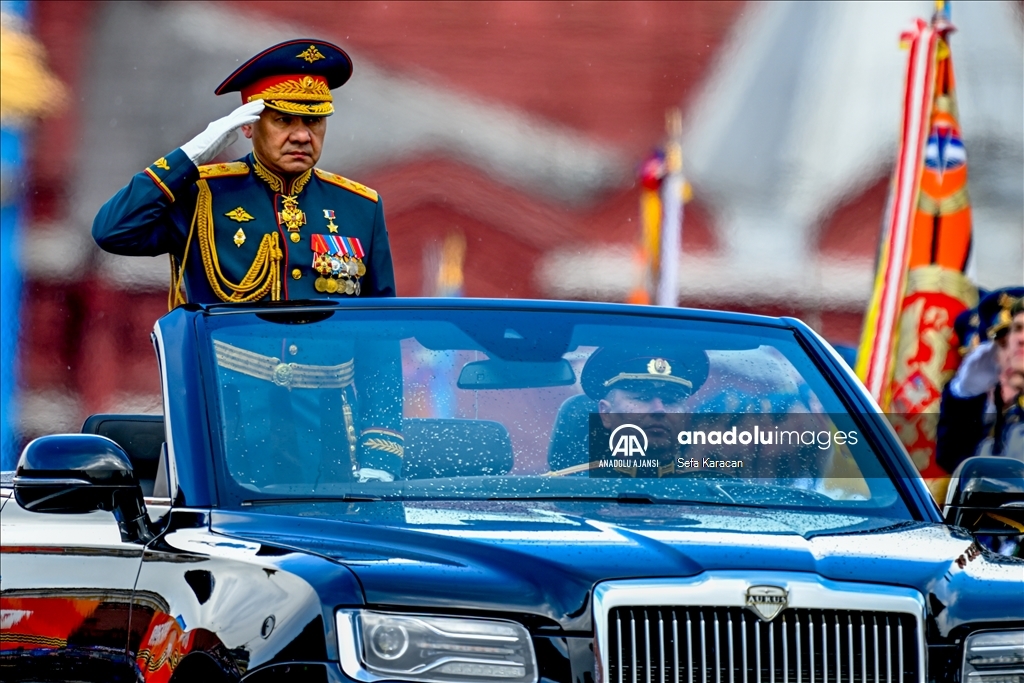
(294, 77)
(299, 95)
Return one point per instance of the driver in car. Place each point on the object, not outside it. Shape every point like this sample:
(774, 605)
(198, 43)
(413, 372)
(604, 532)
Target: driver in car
(646, 390)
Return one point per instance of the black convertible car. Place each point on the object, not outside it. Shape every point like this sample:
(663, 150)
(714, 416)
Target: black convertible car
(468, 490)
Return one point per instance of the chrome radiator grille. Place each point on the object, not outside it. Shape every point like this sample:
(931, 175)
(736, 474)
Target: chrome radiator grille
(732, 645)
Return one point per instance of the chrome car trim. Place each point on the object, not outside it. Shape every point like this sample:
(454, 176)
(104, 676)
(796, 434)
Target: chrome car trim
(729, 589)
(348, 647)
(57, 481)
(350, 638)
(165, 391)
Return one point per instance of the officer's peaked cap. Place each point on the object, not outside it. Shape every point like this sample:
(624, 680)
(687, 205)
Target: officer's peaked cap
(682, 369)
(967, 328)
(996, 309)
(294, 77)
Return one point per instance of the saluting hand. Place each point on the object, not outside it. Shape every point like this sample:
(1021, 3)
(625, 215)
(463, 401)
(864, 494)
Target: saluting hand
(978, 372)
(204, 147)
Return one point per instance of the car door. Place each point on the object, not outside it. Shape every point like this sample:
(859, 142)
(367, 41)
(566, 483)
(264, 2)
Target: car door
(66, 582)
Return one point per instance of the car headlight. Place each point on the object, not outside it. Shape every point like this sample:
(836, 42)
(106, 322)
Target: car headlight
(994, 657)
(375, 646)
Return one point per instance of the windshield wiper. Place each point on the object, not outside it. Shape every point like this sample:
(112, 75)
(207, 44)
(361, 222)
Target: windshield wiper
(347, 498)
(627, 497)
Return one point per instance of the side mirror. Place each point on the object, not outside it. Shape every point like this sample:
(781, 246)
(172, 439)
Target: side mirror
(76, 473)
(986, 496)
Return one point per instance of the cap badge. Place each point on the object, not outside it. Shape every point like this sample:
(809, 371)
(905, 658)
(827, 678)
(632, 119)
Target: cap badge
(767, 601)
(311, 54)
(659, 366)
(239, 214)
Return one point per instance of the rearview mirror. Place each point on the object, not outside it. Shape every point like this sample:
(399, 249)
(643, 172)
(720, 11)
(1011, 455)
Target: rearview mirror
(76, 473)
(986, 496)
(507, 374)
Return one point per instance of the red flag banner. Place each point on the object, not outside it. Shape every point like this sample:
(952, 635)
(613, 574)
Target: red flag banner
(908, 351)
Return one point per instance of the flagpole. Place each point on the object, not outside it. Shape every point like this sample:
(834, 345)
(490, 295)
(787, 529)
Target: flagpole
(672, 217)
(874, 364)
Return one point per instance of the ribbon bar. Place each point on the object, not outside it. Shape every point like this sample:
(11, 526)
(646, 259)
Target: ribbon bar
(337, 245)
(353, 246)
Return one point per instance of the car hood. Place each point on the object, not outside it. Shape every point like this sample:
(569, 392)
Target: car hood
(543, 561)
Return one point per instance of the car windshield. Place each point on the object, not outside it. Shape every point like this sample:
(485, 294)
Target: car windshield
(477, 404)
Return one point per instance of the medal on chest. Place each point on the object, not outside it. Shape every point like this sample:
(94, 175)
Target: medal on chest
(329, 215)
(339, 262)
(291, 216)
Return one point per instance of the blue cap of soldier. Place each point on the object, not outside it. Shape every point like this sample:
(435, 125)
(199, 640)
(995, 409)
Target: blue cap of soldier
(294, 77)
(967, 327)
(994, 310)
(679, 371)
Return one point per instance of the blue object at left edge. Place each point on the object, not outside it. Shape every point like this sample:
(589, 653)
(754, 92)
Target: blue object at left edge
(11, 141)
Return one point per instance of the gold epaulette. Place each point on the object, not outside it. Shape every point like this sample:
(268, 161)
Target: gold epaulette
(225, 169)
(350, 185)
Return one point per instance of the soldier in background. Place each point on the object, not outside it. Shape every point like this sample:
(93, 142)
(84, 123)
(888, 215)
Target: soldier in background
(982, 409)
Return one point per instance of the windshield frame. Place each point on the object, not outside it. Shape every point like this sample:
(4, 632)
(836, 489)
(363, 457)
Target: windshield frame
(213, 318)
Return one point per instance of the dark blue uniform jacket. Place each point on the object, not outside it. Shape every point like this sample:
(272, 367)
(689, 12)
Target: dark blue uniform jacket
(244, 233)
(240, 232)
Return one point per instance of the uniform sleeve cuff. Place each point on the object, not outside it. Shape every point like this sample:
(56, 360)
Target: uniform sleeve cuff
(172, 173)
(382, 449)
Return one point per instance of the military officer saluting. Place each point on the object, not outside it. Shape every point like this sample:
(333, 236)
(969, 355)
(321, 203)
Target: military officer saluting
(270, 226)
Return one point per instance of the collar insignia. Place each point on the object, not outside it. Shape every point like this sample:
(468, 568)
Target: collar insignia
(767, 601)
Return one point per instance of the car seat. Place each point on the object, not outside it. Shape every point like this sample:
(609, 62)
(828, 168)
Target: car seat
(570, 442)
